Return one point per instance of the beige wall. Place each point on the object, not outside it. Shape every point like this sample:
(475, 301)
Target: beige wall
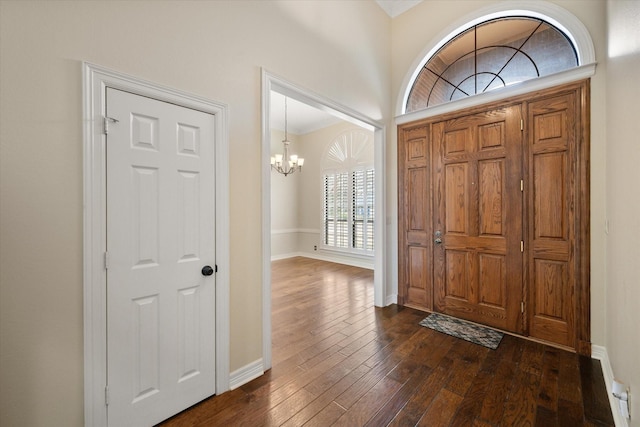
(296, 200)
(623, 197)
(284, 200)
(212, 48)
(313, 146)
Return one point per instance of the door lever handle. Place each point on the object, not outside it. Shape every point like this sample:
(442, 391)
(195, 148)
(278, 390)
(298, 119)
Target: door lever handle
(437, 240)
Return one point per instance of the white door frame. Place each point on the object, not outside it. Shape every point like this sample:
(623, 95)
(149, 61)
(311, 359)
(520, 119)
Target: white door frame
(272, 82)
(95, 81)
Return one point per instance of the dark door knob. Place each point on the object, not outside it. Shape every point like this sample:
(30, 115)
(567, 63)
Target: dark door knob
(207, 270)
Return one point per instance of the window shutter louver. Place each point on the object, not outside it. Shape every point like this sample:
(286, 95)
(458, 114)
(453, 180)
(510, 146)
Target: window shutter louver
(348, 210)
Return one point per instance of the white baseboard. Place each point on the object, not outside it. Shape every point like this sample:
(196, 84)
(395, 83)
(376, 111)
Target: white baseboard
(600, 353)
(391, 299)
(354, 262)
(285, 256)
(295, 230)
(245, 374)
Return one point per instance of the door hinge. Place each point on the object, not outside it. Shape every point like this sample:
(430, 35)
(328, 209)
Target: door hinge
(522, 307)
(106, 120)
(106, 395)
(521, 245)
(522, 185)
(521, 124)
(106, 260)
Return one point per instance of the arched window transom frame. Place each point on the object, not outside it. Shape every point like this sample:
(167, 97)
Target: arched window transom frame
(561, 19)
(349, 150)
(348, 203)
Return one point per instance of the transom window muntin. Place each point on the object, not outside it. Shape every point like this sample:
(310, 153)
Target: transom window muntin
(493, 54)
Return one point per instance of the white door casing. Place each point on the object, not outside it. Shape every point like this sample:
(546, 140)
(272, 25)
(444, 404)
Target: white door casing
(96, 80)
(385, 283)
(160, 234)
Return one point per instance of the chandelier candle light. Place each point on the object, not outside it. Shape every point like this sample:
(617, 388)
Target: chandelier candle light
(284, 163)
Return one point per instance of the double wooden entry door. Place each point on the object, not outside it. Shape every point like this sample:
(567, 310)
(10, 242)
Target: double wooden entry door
(493, 216)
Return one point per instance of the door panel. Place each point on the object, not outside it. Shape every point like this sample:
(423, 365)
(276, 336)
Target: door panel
(457, 198)
(493, 280)
(551, 256)
(491, 177)
(416, 188)
(418, 275)
(160, 233)
(416, 257)
(478, 211)
(458, 277)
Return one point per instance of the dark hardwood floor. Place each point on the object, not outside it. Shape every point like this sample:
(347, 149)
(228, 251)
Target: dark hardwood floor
(338, 360)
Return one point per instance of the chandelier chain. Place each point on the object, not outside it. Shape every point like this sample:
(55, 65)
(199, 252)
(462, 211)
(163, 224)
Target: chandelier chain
(284, 163)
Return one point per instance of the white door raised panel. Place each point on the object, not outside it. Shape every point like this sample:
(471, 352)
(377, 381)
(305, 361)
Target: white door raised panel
(160, 235)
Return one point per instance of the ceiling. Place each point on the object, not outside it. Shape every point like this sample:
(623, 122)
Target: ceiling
(396, 7)
(301, 118)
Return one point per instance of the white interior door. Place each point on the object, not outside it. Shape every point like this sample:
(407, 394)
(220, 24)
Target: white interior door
(160, 235)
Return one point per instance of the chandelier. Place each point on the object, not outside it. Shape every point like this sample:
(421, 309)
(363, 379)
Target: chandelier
(286, 163)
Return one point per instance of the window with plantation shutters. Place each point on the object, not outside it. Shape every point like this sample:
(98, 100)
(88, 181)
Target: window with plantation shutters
(362, 212)
(336, 210)
(348, 194)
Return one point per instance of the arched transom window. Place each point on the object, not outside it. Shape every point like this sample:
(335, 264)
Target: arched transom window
(491, 55)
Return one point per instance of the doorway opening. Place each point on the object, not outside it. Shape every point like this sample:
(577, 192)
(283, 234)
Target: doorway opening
(273, 86)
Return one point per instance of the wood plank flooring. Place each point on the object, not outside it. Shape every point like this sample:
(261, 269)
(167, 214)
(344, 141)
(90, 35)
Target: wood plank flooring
(338, 360)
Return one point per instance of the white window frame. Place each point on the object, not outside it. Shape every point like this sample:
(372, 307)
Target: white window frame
(368, 231)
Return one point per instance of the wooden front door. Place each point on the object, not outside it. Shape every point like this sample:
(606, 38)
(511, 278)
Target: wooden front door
(494, 215)
(477, 217)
